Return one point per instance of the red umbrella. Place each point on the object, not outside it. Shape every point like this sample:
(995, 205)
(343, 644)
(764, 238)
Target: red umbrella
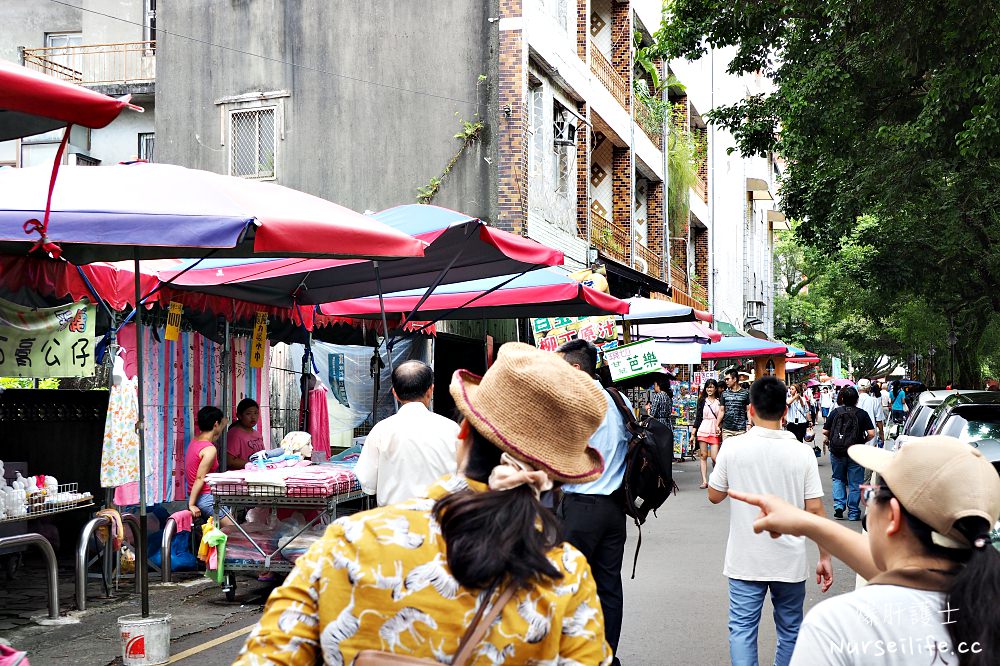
(32, 103)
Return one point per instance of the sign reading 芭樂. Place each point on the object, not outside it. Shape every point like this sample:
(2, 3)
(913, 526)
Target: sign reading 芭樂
(632, 360)
(47, 342)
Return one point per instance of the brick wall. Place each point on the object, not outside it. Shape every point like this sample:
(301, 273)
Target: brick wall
(681, 115)
(621, 43)
(621, 184)
(701, 134)
(679, 251)
(582, 28)
(512, 194)
(654, 217)
(701, 255)
(582, 172)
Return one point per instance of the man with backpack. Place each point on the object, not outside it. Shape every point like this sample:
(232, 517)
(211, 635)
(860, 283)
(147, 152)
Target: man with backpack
(772, 459)
(847, 425)
(592, 514)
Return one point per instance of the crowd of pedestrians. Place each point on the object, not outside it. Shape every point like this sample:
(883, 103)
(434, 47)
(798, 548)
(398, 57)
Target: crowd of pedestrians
(500, 539)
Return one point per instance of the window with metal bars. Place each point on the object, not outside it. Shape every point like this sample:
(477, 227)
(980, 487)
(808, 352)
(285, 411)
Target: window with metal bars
(253, 144)
(146, 144)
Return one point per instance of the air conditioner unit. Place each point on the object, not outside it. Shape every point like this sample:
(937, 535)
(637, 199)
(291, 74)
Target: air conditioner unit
(563, 129)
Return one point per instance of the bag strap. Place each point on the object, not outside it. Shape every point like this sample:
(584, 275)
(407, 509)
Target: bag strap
(631, 423)
(480, 625)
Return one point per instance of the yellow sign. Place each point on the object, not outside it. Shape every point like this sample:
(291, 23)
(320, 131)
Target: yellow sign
(257, 344)
(173, 331)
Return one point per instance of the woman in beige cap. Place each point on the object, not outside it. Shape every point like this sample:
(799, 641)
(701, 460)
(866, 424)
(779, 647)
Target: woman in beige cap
(410, 578)
(934, 579)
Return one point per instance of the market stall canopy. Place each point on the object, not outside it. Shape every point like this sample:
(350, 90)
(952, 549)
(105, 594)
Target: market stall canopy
(32, 103)
(653, 311)
(107, 213)
(689, 331)
(461, 248)
(541, 293)
(742, 348)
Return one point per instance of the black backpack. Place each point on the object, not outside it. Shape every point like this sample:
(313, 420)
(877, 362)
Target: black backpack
(843, 431)
(649, 476)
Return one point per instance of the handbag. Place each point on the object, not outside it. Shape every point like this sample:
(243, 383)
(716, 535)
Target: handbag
(470, 640)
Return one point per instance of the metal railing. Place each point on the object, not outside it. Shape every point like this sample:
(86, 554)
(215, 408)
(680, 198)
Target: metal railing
(51, 567)
(83, 563)
(610, 238)
(650, 258)
(611, 79)
(96, 64)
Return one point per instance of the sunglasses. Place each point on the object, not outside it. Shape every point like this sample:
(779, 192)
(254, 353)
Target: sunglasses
(868, 491)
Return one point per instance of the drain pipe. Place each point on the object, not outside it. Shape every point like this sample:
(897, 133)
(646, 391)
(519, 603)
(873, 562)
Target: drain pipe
(711, 187)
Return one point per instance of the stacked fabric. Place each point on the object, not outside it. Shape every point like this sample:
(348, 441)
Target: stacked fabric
(320, 480)
(232, 482)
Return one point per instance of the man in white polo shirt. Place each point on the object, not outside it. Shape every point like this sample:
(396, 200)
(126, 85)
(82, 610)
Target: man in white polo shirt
(767, 457)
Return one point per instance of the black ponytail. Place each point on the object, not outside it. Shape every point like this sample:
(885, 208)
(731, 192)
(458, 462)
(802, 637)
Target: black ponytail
(496, 534)
(972, 598)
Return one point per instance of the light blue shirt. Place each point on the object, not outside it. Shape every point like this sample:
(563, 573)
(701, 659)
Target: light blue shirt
(611, 441)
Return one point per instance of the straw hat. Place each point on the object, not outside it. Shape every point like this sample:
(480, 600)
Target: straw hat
(939, 480)
(538, 408)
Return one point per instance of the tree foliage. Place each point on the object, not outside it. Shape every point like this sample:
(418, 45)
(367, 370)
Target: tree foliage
(888, 114)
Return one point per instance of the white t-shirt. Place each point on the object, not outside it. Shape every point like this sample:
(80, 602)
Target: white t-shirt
(407, 452)
(826, 399)
(873, 406)
(765, 461)
(880, 625)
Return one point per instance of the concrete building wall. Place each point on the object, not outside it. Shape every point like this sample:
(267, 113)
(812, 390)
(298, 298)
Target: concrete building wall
(120, 142)
(99, 29)
(365, 123)
(26, 24)
(740, 250)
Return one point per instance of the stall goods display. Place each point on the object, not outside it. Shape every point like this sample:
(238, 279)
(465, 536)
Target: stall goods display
(26, 498)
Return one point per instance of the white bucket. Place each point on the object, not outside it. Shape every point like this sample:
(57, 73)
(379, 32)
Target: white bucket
(145, 640)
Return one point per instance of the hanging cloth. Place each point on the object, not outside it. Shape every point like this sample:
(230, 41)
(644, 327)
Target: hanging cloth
(215, 564)
(120, 453)
(319, 421)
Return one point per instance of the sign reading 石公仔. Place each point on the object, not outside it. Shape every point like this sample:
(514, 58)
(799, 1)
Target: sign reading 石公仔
(632, 360)
(47, 342)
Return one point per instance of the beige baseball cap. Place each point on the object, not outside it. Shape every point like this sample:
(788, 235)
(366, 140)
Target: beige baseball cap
(939, 480)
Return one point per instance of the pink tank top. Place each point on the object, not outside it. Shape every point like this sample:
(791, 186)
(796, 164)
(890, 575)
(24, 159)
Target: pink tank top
(709, 414)
(191, 461)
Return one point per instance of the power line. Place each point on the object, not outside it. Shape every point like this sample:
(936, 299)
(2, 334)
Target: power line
(268, 58)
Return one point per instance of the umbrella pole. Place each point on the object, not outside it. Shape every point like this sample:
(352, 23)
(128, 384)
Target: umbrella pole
(141, 569)
(225, 375)
(385, 330)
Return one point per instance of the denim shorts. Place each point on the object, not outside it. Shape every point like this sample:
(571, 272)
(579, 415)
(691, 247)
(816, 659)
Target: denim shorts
(206, 502)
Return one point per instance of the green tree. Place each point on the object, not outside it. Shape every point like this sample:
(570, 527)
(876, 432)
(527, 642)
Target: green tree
(887, 114)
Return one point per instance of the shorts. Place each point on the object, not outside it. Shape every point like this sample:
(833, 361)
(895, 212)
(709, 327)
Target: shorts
(710, 440)
(826, 412)
(726, 434)
(206, 502)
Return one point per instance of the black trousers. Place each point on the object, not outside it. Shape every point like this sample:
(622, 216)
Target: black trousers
(798, 429)
(595, 525)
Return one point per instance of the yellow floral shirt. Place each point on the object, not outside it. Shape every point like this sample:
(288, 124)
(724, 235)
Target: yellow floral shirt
(380, 580)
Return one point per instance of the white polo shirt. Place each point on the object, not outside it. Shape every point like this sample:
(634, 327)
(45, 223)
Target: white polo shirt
(765, 461)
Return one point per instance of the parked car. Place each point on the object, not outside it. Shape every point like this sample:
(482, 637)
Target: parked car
(941, 412)
(920, 416)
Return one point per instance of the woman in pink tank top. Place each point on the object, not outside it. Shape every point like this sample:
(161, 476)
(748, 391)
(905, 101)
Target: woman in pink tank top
(202, 458)
(708, 426)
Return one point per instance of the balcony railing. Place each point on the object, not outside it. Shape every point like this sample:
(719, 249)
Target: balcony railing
(651, 259)
(610, 238)
(699, 293)
(646, 122)
(678, 277)
(701, 188)
(611, 79)
(96, 64)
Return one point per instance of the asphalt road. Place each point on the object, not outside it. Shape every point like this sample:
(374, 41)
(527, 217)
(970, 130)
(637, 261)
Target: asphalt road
(675, 609)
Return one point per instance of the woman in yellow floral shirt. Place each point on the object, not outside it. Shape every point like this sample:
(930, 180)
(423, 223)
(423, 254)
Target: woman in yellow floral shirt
(408, 578)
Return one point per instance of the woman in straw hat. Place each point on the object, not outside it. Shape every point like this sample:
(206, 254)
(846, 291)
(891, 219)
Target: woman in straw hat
(934, 578)
(409, 578)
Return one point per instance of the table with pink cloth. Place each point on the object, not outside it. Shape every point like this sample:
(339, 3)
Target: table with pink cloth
(327, 479)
